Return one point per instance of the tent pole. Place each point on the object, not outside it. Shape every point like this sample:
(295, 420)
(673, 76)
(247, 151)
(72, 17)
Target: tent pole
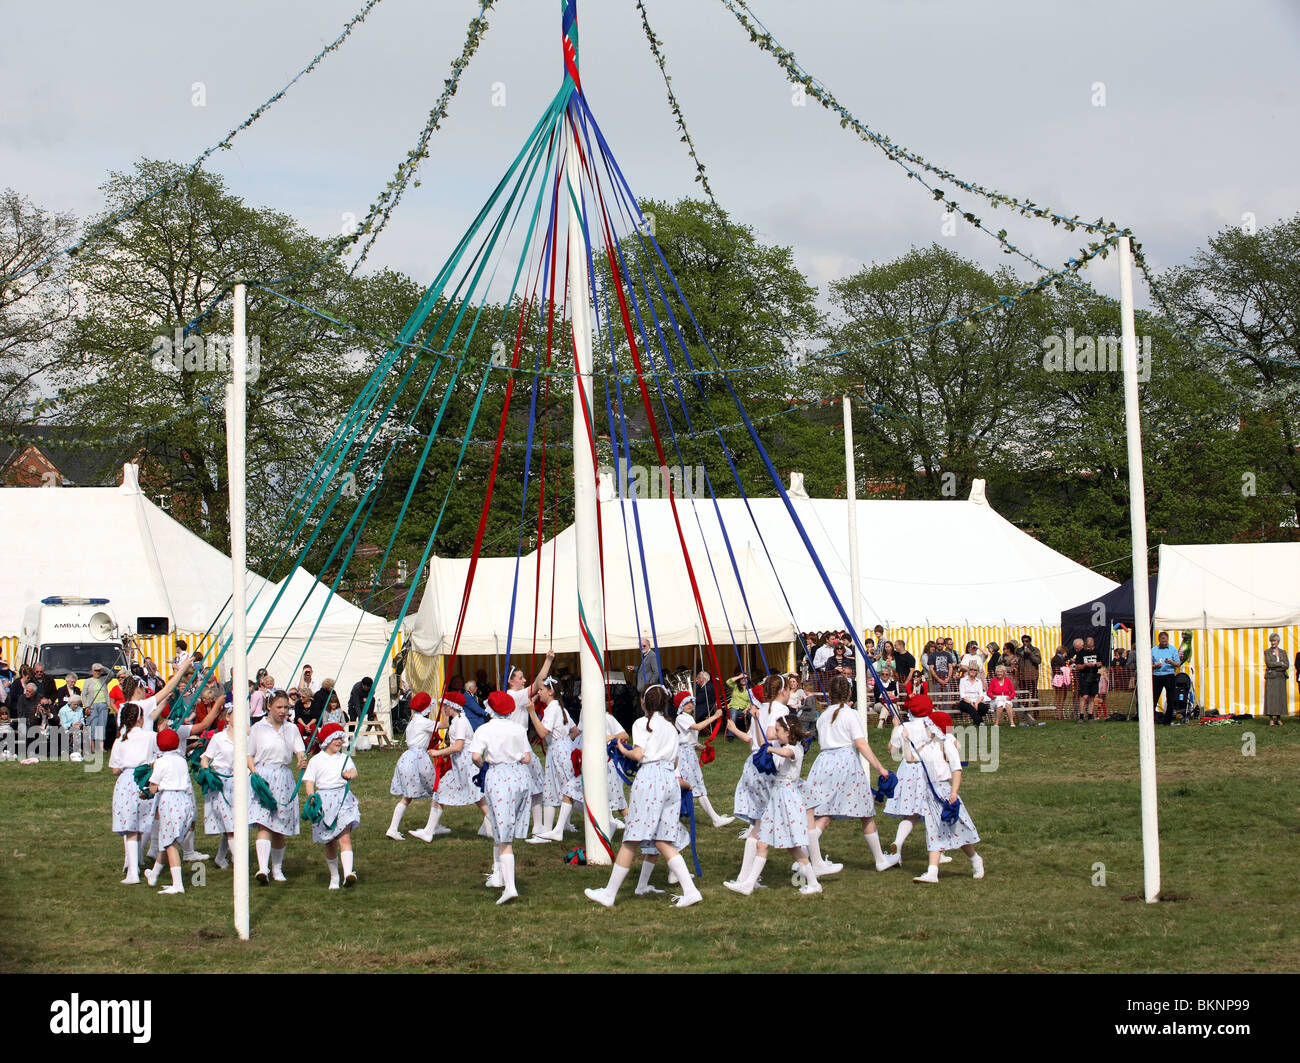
(591, 606)
(855, 576)
(236, 397)
(1141, 586)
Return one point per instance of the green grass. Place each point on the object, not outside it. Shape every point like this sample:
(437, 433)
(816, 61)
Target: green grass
(1064, 798)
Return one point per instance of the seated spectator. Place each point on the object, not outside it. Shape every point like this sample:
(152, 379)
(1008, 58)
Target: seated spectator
(75, 722)
(972, 697)
(1003, 691)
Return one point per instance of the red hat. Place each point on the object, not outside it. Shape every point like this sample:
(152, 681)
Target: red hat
(456, 699)
(420, 702)
(941, 720)
(501, 703)
(920, 705)
(681, 698)
(168, 740)
(330, 732)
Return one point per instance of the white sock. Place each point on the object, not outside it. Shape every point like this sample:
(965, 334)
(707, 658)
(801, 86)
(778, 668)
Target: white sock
(873, 842)
(346, 857)
(223, 847)
(548, 819)
(565, 817)
(277, 859)
(616, 876)
(647, 869)
(747, 864)
(708, 808)
(931, 873)
(263, 846)
(539, 824)
(435, 814)
(814, 846)
(756, 869)
(508, 872)
(398, 813)
(809, 872)
(333, 865)
(132, 857)
(188, 845)
(683, 876)
(176, 876)
(904, 829)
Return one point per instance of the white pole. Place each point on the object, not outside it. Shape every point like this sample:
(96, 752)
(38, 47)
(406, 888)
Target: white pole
(1141, 589)
(236, 394)
(855, 575)
(591, 619)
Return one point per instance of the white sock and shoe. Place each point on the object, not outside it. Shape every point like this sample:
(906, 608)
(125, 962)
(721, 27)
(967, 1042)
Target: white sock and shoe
(333, 866)
(392, 831)
(931, 875)
(177, 886)
(349, 875)
(132, 863)
(977, 865)
(277, 865)
(883, 861)
(508, 878)
(811, 885)
(426, 833)
(690, 892)
(643, 883)
(609, 894)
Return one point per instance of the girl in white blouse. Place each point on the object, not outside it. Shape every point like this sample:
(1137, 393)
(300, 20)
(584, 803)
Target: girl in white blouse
(688, 757)
(456, 787)
(654, 810)
(562, 788)
(274, 744)
(329, 772)
(132, 814)
(170, 781)
(219, 806)
(502, 746)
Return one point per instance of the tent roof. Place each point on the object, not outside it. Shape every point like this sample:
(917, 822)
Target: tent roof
(108, 542)
(1116, 607)
(1229, 585)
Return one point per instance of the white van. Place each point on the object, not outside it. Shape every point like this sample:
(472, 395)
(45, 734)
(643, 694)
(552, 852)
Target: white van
(68, 634)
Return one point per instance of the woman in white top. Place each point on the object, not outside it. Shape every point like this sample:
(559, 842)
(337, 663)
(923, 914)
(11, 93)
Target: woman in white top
(785, 820)
(973, 698)
(132, 814)
(688, 757)
(328, 773)
(274, 744)
(754, 789)
(523, 692)
(413, 773)
(911, 793)
(170, 781)
(942, 760)
(838, 786)
(502, 746)
(654, 811)
(456, 786)
(219, 805)
(562, 788)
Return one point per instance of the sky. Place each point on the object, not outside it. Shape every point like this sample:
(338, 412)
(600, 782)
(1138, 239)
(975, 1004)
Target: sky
(1173, 118)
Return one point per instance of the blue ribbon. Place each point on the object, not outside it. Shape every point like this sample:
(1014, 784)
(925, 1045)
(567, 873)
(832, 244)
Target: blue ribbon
(688, 812)
(626, 768)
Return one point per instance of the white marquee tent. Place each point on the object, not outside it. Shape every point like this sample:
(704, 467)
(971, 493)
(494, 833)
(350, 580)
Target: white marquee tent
(1229, 585)
(923, 562)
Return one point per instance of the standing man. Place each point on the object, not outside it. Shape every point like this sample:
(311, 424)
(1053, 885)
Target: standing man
(904, 664)
(1027, 675)
(823, 655)
(706, 695)
(648, 673)
(357, 699)
(1087, 675)
(1165, 661)
(474, 712)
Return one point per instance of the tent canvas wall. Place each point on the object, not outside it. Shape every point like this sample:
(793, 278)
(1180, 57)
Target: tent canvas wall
(1231, 596)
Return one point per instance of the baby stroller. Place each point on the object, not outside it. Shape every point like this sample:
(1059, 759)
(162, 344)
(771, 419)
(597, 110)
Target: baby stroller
(1183, 702)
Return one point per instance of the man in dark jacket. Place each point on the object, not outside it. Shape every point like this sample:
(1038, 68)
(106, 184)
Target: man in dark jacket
(357, 699)
(706, 695)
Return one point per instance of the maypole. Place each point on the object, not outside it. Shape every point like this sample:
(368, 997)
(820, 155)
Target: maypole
(236, 397)
(591, 606)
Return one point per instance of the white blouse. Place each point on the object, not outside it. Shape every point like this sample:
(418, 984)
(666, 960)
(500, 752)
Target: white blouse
(762, 718)
(789, 768)
(839, 726)
(418, 731)
(139, 746)
(221, 752)
(325, 770)
(687, 734)
(170, 772)
(658, 743)
(500, 742)
(266, 745)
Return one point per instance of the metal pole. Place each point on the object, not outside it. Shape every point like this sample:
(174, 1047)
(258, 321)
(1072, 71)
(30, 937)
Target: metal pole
(591, 619)
(1141, 588)
(236, 395)
(855, 575)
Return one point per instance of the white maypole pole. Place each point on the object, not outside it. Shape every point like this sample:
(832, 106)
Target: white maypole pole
(236, 394)
(591, 609)
(1141, 588)
(855, 575)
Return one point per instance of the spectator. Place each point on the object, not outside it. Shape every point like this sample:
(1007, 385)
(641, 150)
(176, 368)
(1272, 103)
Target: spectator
(321, 698)
(992, 658)
(6, 680)
(1121, 669)
(32, 706)
(1002, 690)
(1165, 662)
(1031, 657)
(334, 709)
(870, 647)
(823, 655)
(357, 699)
(973, 700)
(942, 671)
(904, 663)
(96, 697)
(474, 711)
(152, 679)
(182, 654)
(888, 686)
(886, 656)
(307, 679)
(880, 634)
(481, 685)
(1061, 678)
(738, 701)
(69, 687)
(44, 683)
(648, 673)
(1086, 678)
(973, 655)
(295, 700)
(74, 720)
(259, 700)
(706, 695)
(841, 663)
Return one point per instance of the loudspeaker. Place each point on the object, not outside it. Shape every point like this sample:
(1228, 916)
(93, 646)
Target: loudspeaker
(152, 625)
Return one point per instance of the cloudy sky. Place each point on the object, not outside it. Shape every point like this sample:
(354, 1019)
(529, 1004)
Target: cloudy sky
(1198, 126)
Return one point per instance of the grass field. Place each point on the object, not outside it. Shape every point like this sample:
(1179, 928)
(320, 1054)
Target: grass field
(1064, 798)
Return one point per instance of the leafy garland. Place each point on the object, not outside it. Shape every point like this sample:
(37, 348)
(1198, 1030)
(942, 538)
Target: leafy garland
(102, 227)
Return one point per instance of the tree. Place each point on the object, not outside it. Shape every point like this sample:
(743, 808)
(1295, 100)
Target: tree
(132, 365)
(1240, 299)
(35, 306)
